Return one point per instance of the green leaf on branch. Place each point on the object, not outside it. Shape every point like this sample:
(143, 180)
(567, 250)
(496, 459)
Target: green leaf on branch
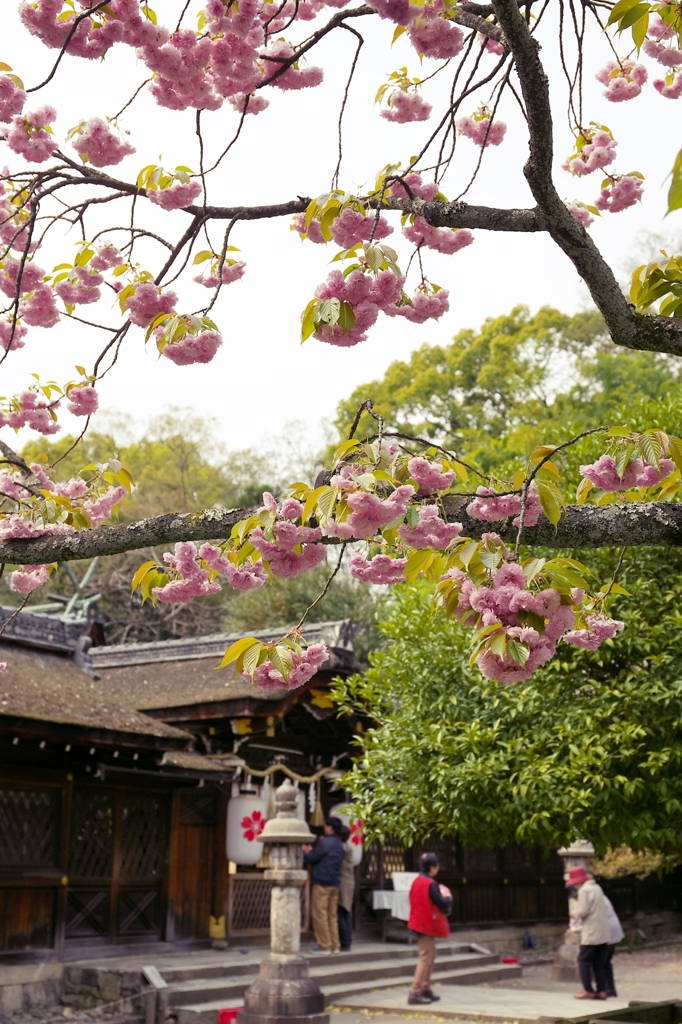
(675, 190)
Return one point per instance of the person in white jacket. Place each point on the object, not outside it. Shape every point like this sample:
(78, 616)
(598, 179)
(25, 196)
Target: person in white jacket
(592, 922)
(615, 937)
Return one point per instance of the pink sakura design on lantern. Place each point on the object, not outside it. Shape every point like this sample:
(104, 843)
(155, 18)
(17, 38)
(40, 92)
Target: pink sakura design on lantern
(253, 825)
(623, 79)
(303, 668)
(28, 135)
(581, 213)
(380, 570)
(404, 107)
(604, 474)
(491, 507)
(177, 196)
(102, 147)
(357, 836)
(623, 192)
(431, 531)
(598, 152)
(12, 98)
(445, 240)
(29, 578)
(599, 628)
(480, 129)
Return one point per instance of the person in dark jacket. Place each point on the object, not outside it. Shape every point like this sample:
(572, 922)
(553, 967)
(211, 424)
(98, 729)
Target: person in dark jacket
(326, 859)
(430, 904)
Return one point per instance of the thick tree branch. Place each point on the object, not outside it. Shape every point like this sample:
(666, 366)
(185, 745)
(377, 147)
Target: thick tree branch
(461, 215)
(627, 328)
(639, 524)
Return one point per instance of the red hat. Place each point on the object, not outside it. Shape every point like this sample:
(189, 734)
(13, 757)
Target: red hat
(576, 876)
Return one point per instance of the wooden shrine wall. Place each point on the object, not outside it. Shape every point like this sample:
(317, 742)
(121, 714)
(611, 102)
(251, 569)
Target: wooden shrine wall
(97, 864)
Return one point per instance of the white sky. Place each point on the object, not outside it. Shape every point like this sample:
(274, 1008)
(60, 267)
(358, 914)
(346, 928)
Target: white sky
(262, 377)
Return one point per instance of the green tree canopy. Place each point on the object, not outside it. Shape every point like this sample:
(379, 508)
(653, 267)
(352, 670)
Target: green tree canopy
(494, 393)
(592, 746)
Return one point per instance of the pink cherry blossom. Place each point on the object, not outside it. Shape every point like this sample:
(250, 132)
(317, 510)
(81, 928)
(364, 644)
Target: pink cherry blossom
(193, 348)
(623, 80)
(101, 508)
(99, 144)
(622, 193)
(106, 257)
(256, 105)
(12, 98)
(491, 507)
(280, 555)
(445, 240)
(193, 581)
(581, 213)
(430, 475)
(303, 668)
(81, 286)
(481, 131)
(603, 473)
(177, 196)
(28, 578)
(147, 302)
(29, 137)
(291, 509)
(351, 227)
(671, 90)
(599, 629)
(82, 401)
(406, 106)
(231, 272)
(490, 45)
(246, 576)
(422, 306)
(313, 232)
(398, 11)
(431, 531)
(382, 569)
(38, 309)
(598, 152)
(31, 276)
(369, 513)
(433, 36)
(14, 527)
(413, 180)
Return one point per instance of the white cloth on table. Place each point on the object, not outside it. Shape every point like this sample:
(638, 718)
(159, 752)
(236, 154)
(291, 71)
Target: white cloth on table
(397, 903)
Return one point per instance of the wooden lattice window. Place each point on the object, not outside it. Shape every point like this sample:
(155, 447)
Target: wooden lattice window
(29, 828)
(143, 837)
(92, 834)
(248, 906)
(394, 858)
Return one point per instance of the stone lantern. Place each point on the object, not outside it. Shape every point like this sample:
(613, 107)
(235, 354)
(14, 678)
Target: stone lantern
(284, 993)
(565, 966)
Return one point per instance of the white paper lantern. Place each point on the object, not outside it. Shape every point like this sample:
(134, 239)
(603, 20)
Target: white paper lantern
(246, 817)
(357, 838)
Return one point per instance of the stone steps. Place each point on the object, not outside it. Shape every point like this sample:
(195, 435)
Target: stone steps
(196, 999)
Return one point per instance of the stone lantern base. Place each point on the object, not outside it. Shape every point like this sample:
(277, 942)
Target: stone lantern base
(283, 993)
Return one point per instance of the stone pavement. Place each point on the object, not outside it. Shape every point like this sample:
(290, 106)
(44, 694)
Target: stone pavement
(653, 976)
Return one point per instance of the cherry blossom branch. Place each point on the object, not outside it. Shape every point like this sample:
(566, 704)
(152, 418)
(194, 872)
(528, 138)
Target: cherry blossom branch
(324, 590)
(635, 524)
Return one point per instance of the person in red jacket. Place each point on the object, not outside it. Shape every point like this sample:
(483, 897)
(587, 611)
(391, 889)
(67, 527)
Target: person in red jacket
(430, 904)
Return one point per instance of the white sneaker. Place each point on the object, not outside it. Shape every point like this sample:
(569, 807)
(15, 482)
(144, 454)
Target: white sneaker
(320, 952)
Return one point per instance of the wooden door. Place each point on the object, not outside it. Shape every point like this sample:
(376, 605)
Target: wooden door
(194, 857)
(117, 863)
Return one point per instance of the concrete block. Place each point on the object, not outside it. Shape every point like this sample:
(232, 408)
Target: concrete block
(11, 998)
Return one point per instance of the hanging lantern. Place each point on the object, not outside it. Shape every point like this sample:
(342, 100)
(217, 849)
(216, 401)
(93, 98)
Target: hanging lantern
(246, 817)
(357, 838)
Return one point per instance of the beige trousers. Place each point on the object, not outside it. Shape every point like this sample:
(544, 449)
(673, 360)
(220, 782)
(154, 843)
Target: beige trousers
(426, 944)
(325, 901)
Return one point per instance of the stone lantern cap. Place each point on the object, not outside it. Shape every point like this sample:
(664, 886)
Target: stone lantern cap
(578, 848)
(286, 827)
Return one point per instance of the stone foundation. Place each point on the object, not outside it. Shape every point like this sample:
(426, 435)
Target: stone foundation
(86, 987)
(27, 986)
